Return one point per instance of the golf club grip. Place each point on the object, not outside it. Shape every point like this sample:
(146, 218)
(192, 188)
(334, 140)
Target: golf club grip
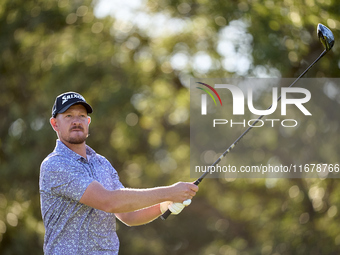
(165, 215)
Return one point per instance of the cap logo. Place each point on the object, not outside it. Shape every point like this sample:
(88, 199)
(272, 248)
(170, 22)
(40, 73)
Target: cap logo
(67, 97)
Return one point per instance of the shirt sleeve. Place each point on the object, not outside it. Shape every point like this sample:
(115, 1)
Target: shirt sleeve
(115, 178)
(116, 184)
(64, 179)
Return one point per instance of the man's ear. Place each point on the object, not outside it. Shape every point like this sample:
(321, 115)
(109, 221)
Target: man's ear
(54, 124)
(88, 120)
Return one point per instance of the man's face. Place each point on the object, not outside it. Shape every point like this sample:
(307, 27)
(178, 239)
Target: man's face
(72, 126)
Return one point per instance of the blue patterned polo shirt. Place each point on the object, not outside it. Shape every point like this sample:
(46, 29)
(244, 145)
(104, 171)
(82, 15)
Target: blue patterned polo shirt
(72, 227)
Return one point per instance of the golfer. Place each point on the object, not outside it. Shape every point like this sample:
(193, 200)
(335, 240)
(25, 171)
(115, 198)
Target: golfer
(80, 191)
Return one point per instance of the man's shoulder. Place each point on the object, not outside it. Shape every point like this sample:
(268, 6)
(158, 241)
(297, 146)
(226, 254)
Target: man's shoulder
(55, 159)
(103, 161)
(96, 155)
(53, 156)
(101, 157)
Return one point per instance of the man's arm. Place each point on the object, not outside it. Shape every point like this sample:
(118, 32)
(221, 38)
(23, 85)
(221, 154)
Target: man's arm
(129, 200)
(140, 217)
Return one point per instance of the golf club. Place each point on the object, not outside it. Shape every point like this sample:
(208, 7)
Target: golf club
(327, 39)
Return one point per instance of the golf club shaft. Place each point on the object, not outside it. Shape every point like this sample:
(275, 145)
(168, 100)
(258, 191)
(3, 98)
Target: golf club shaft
(199, 180)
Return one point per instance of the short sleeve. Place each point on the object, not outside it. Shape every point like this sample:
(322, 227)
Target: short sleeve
(64, 179)
(111, 182)
(116, 181)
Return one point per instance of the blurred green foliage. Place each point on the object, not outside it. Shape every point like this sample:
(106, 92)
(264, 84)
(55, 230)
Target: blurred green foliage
(137, 82)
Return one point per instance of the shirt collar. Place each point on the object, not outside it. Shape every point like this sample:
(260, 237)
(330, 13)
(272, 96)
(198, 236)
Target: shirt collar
(62, 149)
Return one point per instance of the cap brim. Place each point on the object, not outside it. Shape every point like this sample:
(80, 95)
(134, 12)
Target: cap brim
(86, 105)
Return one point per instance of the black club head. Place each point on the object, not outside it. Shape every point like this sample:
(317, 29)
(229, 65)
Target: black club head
(325, 36)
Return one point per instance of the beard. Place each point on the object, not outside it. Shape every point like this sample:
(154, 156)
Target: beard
(79, 138)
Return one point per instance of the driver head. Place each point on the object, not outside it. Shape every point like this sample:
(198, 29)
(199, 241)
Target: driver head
(325, 36)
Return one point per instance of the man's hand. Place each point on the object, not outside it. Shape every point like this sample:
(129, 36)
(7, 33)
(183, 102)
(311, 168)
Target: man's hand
(182, 191)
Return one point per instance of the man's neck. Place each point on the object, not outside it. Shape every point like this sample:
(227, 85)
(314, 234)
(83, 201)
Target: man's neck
(80, 149)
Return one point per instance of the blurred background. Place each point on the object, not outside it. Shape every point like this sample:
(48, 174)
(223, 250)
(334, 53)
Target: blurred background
(133, 63)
